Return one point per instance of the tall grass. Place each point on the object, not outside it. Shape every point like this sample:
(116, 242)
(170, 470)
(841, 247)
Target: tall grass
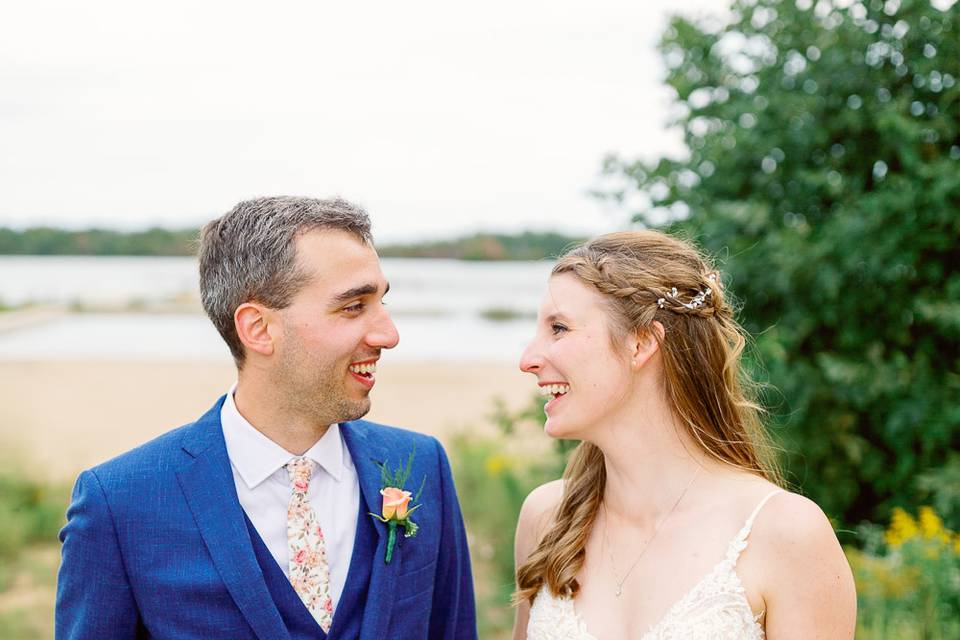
(907, 573)
(908, 578)
(31, 514)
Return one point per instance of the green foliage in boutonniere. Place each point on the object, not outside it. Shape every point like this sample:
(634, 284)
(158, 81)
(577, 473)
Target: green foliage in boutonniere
(397, 505)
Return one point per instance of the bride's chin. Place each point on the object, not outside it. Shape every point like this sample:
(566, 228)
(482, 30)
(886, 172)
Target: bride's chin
(556, 429)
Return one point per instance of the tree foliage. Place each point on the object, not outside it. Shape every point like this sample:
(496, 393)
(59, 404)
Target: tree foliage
(528, 245)
(98, 242)
(823, 169)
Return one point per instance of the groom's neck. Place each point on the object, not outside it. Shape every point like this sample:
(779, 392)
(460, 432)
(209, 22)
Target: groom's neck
(272, 415)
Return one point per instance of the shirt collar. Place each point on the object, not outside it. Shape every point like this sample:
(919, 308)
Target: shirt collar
(256, 457)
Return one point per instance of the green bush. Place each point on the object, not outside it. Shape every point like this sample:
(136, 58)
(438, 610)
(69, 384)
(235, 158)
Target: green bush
(32, 512)
(823, 144)
(38, 508)
(908, 579)
(493, 477)
(907, 575)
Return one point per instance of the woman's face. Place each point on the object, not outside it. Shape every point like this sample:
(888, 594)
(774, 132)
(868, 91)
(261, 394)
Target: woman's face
(576, 366)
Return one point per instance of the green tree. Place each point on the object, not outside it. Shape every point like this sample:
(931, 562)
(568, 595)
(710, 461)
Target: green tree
(823, 168)
(98, 242)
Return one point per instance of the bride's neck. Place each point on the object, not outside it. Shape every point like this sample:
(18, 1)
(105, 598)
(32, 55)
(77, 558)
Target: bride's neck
(649, 464)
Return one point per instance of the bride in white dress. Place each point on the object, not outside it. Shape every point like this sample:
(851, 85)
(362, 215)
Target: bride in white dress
(669, 521)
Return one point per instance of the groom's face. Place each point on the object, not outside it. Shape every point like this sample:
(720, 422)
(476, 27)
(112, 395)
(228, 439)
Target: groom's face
(335, 329)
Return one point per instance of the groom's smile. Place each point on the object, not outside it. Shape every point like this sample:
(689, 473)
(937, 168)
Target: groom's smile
(335, 328)
(364, 372)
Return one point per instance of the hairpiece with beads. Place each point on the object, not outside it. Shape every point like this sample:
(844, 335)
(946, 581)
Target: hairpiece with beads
(697, 301)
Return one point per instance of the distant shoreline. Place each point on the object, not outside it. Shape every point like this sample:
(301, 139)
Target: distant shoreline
(157, 242)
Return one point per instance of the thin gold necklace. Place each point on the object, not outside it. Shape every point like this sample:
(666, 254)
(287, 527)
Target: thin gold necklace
(656, 530)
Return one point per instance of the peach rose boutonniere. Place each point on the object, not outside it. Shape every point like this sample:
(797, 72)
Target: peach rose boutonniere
(397, 503)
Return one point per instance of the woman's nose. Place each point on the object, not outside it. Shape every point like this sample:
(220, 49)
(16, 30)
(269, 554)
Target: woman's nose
(531, 359)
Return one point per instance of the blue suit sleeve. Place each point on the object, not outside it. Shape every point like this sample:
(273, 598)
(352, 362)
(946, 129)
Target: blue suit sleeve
(94, 598)
(454, 610)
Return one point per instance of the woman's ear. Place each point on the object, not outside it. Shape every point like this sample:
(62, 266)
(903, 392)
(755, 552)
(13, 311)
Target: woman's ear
(644, 343)
(252, 322)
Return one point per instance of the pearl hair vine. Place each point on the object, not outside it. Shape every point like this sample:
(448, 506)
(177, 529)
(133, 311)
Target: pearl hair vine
(698, 300)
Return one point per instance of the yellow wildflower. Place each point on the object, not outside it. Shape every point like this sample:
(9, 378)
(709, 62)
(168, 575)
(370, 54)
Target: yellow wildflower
(930, 523)
(495, 465)
(902, 528)
(879, 577)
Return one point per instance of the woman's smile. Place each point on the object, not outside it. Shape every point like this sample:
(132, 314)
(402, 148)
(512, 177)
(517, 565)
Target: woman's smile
(556, 390)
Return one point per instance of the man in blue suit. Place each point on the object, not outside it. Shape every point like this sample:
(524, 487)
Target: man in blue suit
(279, 514)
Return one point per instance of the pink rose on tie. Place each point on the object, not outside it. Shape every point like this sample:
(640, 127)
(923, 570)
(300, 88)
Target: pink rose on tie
(300, 557)
(395, 503)
(301, 485)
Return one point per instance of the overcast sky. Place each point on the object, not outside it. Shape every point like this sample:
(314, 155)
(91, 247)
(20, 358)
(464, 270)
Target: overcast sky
(440, 117)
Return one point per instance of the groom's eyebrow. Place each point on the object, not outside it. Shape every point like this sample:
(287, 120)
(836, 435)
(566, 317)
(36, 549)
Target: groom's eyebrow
(357, 292)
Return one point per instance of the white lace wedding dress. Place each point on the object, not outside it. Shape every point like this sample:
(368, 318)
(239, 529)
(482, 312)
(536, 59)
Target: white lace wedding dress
(715, 608)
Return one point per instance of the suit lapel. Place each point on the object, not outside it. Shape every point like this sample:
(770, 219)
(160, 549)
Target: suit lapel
(366, 451)
(207, 483)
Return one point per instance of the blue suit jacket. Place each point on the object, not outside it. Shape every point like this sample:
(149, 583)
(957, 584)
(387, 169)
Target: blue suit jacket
(156, 546)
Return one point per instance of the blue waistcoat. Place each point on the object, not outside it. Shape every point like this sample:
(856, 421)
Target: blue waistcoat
(349, 612)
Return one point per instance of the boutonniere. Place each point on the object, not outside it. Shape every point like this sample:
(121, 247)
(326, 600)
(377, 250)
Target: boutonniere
(397, 505)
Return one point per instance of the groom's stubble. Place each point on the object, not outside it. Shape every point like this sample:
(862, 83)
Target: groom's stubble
(315, 387)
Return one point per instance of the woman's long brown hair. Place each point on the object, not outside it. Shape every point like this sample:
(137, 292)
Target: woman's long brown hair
(704, 384)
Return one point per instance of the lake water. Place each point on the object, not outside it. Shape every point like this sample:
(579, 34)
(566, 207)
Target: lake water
(438, 306)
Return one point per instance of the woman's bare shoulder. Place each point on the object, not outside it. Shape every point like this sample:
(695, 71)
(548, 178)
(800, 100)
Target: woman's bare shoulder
(541, 503)
(536, 514)
(544, 497)
(792, 520)
(785, 522)
(805, 574)
(793, 541)
(783, 518)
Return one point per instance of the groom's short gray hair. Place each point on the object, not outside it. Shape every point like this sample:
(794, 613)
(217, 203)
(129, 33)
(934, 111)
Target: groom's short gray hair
(249, 254)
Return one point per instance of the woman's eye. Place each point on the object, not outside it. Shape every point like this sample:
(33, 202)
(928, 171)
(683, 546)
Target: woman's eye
(557, 328)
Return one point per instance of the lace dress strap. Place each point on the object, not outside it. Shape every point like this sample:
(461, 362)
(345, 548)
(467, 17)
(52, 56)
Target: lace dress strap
(739, 543)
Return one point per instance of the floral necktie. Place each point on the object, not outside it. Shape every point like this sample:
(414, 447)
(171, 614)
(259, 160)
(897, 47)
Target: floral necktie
(309, 569)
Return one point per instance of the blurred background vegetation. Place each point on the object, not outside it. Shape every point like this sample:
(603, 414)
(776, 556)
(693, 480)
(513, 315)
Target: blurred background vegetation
(48, 241)
(823, 173)
(31, 513)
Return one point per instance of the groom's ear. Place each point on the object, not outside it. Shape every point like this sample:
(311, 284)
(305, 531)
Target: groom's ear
(253, 323)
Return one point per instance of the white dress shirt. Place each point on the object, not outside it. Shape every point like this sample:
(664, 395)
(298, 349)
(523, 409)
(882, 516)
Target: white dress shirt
(263, 486)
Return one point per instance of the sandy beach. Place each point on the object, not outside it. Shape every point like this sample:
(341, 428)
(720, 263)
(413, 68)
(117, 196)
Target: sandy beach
(57, 418)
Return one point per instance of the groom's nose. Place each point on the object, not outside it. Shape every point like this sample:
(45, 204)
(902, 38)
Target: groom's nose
(383, 334)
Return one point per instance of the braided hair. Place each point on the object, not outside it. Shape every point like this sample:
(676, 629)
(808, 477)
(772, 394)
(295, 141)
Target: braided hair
(645, 277)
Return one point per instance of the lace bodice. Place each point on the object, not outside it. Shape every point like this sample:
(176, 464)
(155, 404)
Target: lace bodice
(715, 608)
